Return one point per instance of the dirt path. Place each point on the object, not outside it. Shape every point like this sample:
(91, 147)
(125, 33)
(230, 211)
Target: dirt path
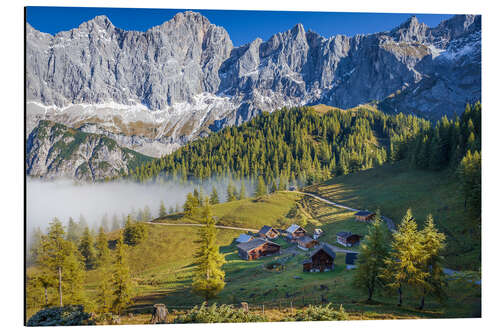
(327, 201)
(388, 221)
(201, 225)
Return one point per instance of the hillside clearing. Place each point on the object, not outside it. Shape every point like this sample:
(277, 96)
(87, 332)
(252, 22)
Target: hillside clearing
(395, 188)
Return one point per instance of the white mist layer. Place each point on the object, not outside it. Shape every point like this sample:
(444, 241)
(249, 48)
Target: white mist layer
(64, 199)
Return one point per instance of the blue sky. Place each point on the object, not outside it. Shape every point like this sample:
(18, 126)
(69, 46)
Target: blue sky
(242, 26)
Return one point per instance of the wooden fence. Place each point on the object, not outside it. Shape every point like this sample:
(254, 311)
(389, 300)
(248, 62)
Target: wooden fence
(275, 304)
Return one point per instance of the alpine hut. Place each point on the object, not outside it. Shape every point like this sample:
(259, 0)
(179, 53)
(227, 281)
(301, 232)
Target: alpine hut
(295, 231)
(364, 215)
(257, 248)
(347, 238)
(268, 232)
(321, 260)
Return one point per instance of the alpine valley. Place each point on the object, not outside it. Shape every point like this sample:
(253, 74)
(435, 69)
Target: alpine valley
(102, 100)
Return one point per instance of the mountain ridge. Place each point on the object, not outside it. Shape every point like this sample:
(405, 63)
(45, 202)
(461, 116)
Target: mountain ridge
(55, 151)
(185, 78)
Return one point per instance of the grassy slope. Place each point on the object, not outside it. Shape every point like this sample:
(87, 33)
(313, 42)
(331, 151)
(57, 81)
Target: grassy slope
(162, 266)
(395, 188)
(322, 108)
(249, 213)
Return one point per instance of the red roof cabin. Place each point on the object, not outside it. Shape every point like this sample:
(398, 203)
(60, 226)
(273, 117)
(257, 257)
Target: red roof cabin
(257, 248)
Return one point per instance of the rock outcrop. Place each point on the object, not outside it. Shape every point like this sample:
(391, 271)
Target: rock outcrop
(154, 91)
(54, 150)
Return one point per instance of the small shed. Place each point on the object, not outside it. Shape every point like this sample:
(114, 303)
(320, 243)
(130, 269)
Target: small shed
(364, 215)
(268, 232)
(295, 231)
(243, 238)
(317, 233)
(347, 238)
(350, 260)
(257, 248)
(306, 242)
(321, 260)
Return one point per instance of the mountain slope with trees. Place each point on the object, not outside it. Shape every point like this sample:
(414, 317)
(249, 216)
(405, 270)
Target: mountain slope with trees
(291, 145)
(55, 150)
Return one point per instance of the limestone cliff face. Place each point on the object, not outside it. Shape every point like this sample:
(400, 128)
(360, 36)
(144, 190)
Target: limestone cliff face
(156, 90)
(97, 62)
(54, 150)
(298, 67)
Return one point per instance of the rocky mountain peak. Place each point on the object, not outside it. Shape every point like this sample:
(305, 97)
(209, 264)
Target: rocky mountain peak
(298, 30)
(190, 16)
(188, 71)
(458, 25)
(188, 19)
(410, 31)
(101, 22)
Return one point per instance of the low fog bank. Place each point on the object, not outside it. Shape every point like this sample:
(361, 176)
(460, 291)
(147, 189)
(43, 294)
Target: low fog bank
(64, 199)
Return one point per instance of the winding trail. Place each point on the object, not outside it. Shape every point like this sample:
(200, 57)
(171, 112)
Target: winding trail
(388, 221)
(390, 226)
(326, 201)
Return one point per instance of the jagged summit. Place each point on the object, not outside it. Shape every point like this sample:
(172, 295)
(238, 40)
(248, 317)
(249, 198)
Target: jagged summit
(411, 30)
(100, 21)
(190, 15)
(188, 71)
(412, 21)
(298, 29)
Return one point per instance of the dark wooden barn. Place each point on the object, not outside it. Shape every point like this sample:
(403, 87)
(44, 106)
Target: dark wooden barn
(321, 260)
(347, 238)
(364, 215)
(257, 248)
(268, 232)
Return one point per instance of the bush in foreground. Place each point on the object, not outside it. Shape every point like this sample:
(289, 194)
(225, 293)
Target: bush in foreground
(218, 314)
(320, 313)
(70, 315)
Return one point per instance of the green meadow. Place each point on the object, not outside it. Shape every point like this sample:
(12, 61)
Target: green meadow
(395, 188)
(162, 265)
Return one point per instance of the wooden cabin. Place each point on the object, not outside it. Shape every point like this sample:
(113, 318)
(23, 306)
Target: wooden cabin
(268, 232)
(348, 239)
(317, 233)
(257, 248)
(294, 232)
(321, 260)
(364, 215)
(350, 259)
(306, 242)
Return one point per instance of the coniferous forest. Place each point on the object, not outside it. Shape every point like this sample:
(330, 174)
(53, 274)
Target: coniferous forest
(305, 146)
(182, 173)
(297, 145)
(292, 144)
